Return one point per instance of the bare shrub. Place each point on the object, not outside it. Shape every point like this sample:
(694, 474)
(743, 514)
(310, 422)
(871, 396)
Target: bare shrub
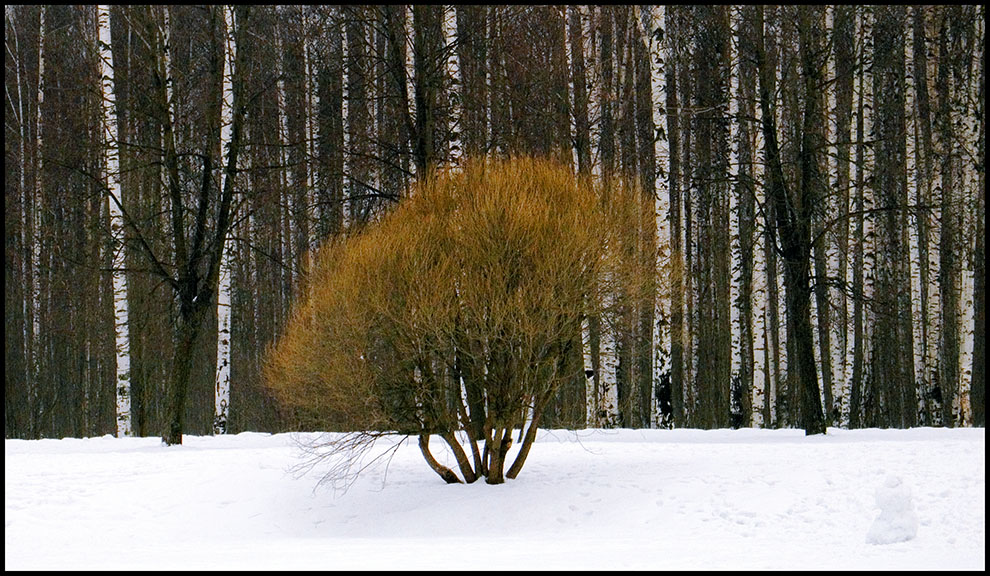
(455, 313)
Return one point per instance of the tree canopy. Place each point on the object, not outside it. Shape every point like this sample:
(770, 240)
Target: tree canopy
(460, 309)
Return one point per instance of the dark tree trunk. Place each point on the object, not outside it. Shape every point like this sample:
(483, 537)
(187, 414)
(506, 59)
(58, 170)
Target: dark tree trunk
(645, 134)
(429, 70)
(711, 173)
(198, 269)
(330, 125)
(978, 387)
(397, 121)
(359, 128)
(472, 44)
(793, 228)
(745, 191)
(814, 179)
(448, 475)
(893, 354)
(606, 143)
(950, 266)
(182, 359)
(625, 100)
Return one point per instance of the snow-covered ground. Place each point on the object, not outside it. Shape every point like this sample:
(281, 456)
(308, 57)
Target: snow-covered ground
(640, 499)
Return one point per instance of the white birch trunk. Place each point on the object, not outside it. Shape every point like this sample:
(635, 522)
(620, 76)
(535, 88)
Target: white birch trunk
(781, 352)
(287, 205)
(312, 103)
(661, 332)
(112, 150)
(762, 369)
(934, 291)
(849, 352)
(166, 31)
(735, 249)
(914, 239)
(222, 397)
(452, 70)
(837, 346)
(223, 291)
(589, 375)
(966, 325)
(869, 243)
(608, 399)
(345, 112)
(36, 253)
(410, 76)
(971, 188)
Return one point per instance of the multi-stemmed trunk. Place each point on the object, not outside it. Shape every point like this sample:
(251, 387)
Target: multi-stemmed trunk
(792, 227)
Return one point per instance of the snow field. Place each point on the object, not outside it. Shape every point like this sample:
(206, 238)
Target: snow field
(593, 499)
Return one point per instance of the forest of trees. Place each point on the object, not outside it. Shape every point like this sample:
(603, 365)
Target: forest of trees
(817, 175)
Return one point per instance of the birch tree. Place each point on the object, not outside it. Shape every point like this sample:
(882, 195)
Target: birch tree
(198, 248)
(116, 227)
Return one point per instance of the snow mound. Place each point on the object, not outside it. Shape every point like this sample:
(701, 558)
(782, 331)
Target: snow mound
(897, 521)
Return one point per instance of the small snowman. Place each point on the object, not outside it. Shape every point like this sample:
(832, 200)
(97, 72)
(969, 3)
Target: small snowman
(897, 521)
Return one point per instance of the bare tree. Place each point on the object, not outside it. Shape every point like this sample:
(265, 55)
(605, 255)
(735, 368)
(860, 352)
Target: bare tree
(792, 221)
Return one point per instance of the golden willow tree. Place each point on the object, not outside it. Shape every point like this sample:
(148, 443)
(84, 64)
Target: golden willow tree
(458, 314)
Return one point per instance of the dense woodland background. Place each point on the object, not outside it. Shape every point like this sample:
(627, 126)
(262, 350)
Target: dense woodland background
(817, 173)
